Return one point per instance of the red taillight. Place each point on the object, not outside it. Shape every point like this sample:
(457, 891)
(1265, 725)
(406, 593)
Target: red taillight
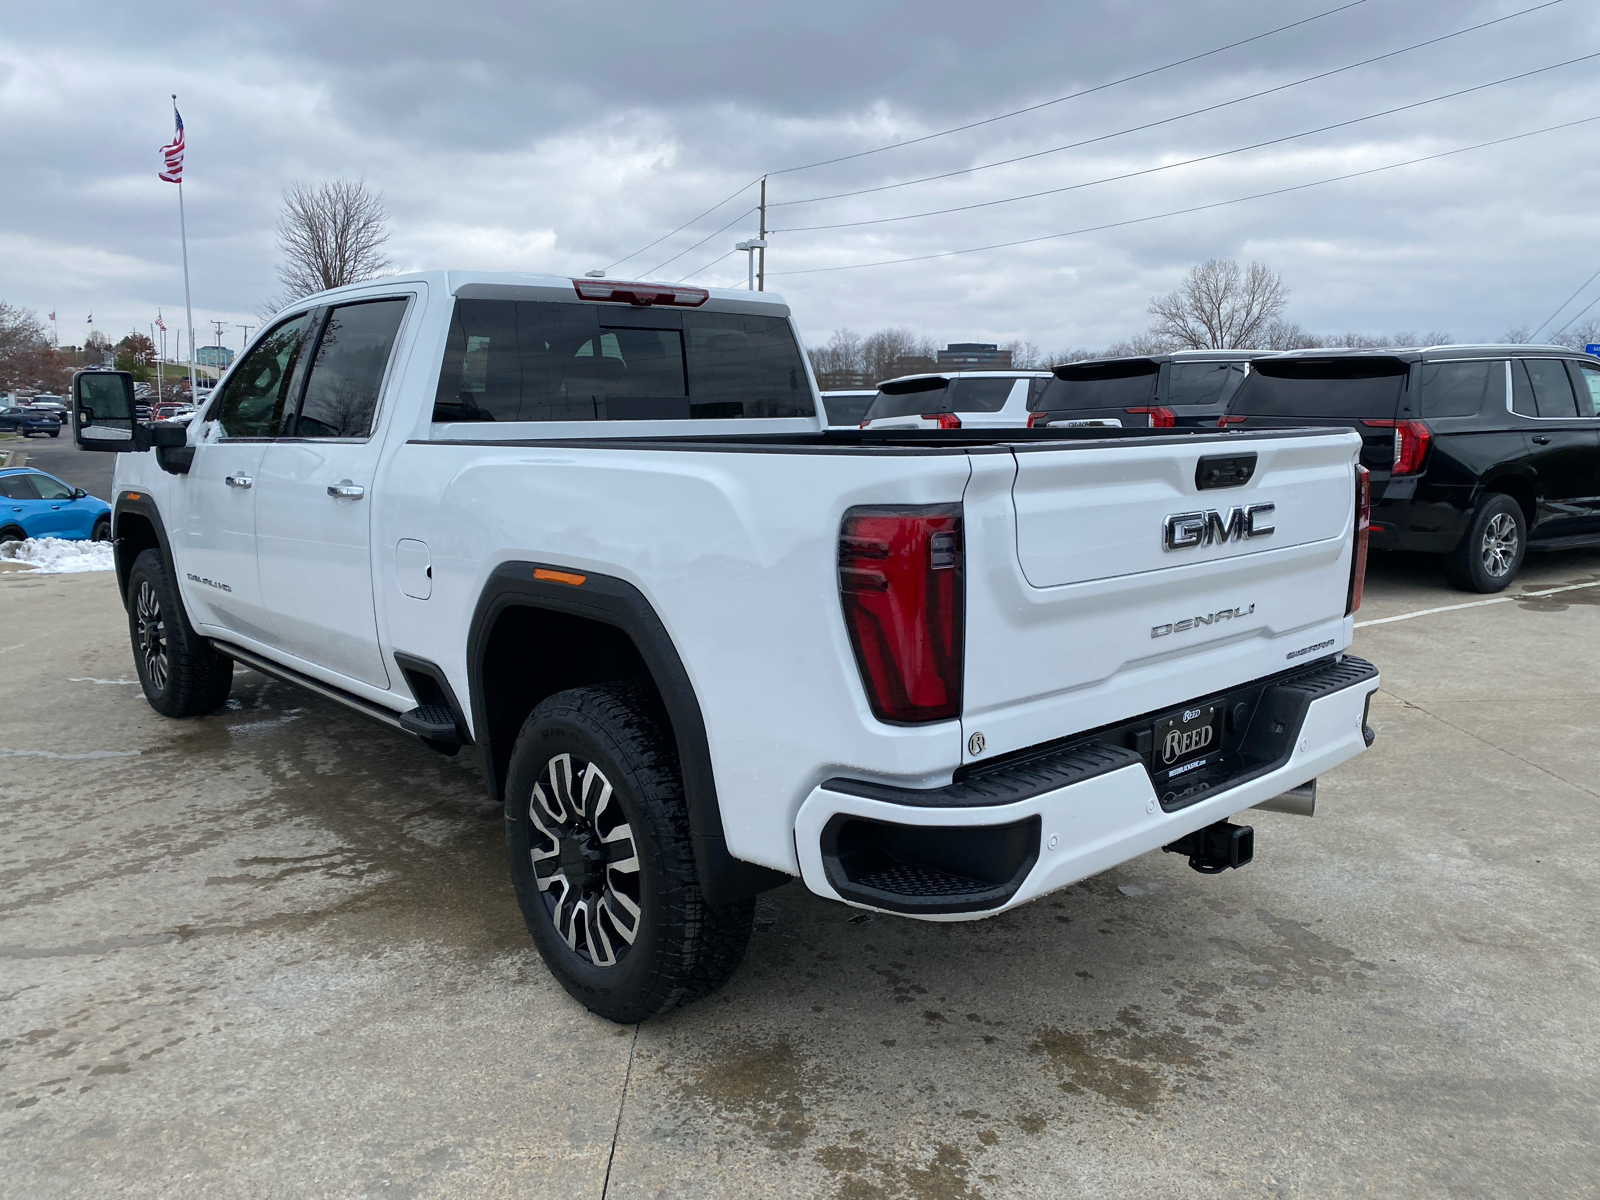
(1160, 417)
(1037, 419)
(901, 583)
(1224, 421)
(1411, 440)
(946, 420)
(642, 294)
(1358, 560)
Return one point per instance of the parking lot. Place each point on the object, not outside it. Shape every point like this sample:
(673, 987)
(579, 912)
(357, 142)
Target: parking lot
(275, 952)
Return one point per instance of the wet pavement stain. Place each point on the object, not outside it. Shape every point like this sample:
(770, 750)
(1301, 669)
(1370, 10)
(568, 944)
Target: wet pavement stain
(1124, 1063)
(761, 1086)
(863, 1175)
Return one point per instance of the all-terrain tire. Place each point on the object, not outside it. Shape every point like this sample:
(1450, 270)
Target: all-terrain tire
(1492, 549)
(181, 673)
(596, 820)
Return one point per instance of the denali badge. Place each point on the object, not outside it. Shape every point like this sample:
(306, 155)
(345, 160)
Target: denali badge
(1184, 531)
(1199, 619)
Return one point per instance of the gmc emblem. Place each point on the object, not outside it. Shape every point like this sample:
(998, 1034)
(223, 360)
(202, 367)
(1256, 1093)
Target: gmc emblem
(1184, 531)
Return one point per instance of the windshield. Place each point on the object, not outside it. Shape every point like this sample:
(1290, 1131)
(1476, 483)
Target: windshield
(913, 397)
(1330, 387)
(1129, 384)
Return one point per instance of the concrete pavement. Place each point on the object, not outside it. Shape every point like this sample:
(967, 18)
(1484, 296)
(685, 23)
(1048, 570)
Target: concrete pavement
(274, 952)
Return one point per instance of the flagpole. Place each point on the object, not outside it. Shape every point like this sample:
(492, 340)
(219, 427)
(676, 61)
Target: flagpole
(183, 229)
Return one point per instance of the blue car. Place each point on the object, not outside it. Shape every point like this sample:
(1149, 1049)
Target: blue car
(36, 505)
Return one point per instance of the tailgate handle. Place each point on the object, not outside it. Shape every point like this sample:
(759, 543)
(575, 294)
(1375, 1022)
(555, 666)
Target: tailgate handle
(1224, 471)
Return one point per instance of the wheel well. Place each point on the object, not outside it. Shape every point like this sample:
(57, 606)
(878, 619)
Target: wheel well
(1519, 489)
(17, 529)
(135, 534)
(532, 653)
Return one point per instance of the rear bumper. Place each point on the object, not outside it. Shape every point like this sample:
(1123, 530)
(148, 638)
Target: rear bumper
(1008, 834)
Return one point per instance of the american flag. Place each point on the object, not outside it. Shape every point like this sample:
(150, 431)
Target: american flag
(172, 154)
(160, 324)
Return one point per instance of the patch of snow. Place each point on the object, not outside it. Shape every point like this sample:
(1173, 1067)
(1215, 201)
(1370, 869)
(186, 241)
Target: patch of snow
(58, 556)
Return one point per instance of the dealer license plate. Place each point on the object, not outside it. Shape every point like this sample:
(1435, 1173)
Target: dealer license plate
(1186, 735)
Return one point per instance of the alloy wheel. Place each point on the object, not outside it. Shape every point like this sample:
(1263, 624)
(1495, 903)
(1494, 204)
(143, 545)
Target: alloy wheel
(1499, 544)
(151, 634)
(585, 860)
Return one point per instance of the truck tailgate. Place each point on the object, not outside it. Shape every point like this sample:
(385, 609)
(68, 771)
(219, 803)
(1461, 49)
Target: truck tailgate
(1079, 615)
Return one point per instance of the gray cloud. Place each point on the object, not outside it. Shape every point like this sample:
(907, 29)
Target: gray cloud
(563, 136)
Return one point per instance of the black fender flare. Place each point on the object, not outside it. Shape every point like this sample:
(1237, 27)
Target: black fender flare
(604, 598)
(140, 504)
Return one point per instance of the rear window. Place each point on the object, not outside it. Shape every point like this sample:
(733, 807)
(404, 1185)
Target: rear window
(1457, 389)
(520, 360)
(1340, 387)
(848, 409)
(1099, 385)
(913, 397)
(1203, 383)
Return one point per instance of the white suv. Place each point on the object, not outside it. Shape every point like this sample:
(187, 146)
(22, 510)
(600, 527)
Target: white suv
(955, 400)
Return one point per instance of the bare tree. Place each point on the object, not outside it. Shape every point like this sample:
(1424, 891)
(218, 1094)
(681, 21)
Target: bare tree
(1025, 355)
(330, 235)
(27, 359)
(1220, 306)
(883, 353)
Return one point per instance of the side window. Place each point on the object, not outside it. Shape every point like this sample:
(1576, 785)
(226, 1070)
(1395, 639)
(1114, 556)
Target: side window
(1552, 390)
(48, 488)
(1457, 389)
(347, 370)
(17, 487)
(251, 405)
(746, 366)
(1587, 378)
(1522, 390)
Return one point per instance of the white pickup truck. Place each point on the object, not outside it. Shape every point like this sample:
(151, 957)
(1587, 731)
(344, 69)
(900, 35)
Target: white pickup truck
(596, 531)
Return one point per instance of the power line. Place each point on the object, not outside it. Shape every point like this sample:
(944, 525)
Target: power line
(707, 267)
(702, 241)
(1075, 95)
(685, 225)
(1005, 162)
(1579, 313)
(1005, 116)
(1388, 112)
(1562, 305)
(889, 262)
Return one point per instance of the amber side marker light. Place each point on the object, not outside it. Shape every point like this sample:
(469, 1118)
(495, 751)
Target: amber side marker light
(133, 496)
(559, 576)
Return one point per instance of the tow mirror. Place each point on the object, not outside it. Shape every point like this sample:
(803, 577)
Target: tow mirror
(103, 416)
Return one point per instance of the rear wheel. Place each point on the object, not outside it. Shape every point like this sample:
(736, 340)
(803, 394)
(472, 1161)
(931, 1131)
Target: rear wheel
(182, 675)
(1492, 549)
(597, 833)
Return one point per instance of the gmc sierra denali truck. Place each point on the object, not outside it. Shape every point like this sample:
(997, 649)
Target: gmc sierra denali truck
(596, 531)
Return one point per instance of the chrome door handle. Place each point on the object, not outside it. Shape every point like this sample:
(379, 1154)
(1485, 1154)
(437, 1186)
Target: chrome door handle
(238, 481)
(346, 490)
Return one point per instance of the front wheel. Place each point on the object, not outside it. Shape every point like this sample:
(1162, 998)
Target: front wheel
(1492, 549)
(102, 530)
(597, 833)
(182, 675)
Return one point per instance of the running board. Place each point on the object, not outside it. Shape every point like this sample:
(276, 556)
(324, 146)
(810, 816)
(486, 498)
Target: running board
(376, 712)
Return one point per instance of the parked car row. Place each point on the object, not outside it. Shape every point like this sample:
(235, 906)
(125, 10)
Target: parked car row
(29, 421)
(1478, 453)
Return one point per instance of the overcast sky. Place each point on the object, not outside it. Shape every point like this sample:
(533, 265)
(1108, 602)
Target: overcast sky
(564, 136)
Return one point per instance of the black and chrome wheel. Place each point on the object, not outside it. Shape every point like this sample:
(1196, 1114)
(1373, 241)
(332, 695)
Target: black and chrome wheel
(181, 673)
(1492, 549)
(583, 857)
(597, 836)
(101, 531)
(150, 635)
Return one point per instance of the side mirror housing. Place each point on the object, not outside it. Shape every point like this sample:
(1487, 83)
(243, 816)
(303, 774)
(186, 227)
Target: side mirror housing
(173, 452)
(78, 493)
(103, 415)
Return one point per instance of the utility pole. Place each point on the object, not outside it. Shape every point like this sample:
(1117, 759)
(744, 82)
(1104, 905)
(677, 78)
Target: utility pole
(761, 268)
(246, 342)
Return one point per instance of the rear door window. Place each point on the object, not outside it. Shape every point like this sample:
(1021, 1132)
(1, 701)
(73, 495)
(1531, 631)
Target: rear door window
(1342, 388)
(347, 369)
(1552, 389)
(1522, 390)
(252, 402)
(1586, 378)
(515, 360)
(1457, 389)
(17, 487)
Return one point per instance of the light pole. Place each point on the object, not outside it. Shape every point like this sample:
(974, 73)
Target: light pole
(750, 248)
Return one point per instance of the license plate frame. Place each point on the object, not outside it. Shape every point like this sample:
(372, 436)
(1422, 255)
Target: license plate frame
(1185, 738)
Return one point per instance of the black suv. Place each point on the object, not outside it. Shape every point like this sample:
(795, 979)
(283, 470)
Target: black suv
(1477, 453)
(1159, 391)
